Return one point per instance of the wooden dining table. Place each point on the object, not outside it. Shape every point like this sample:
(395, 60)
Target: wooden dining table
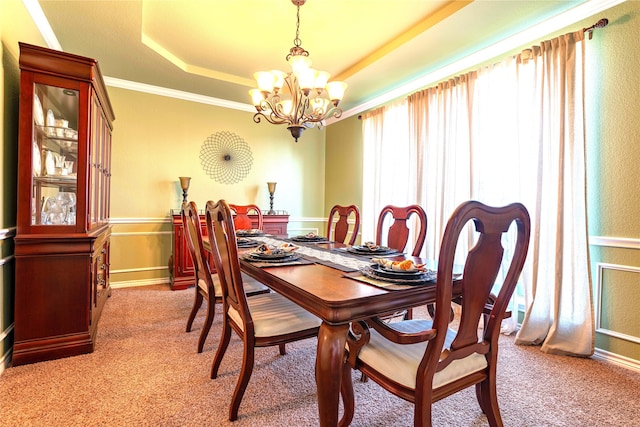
(338, 300)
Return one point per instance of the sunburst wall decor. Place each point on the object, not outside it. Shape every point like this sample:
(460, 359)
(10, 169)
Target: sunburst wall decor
(226, 157)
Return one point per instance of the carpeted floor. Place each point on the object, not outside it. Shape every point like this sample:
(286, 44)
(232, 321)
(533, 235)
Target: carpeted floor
(145, 372)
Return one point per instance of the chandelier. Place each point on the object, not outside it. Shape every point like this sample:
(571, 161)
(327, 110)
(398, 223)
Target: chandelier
(302, 98)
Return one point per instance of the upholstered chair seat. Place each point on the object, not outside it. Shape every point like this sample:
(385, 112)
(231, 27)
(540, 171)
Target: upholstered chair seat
(274, 315)
(400, 362)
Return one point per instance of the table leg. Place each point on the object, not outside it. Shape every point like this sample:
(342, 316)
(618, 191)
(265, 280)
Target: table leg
(331, 344)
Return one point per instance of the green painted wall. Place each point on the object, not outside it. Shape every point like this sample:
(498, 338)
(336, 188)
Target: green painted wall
(343, 181)
(157, 139)
(613, 144)
(613, 139)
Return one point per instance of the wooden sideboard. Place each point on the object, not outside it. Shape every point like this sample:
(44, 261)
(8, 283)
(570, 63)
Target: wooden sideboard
(180, 265)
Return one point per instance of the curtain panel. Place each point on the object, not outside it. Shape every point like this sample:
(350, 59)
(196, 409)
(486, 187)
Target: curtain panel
(512, 131)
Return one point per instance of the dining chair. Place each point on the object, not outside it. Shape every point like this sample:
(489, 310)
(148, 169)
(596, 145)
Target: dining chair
(241, 218)
(341, 226)
(260, 321)
(423, 361)
(397, 234)
(207, 285)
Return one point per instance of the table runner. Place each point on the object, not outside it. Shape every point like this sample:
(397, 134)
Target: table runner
(354, 264)
(351, 265)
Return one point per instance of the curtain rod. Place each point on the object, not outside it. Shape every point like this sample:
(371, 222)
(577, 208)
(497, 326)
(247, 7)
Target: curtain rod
(600, 24)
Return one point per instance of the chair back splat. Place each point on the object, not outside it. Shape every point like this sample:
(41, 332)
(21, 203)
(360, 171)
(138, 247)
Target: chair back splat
(397, 235)
(341, 227)
(241, 219)
(422, 360)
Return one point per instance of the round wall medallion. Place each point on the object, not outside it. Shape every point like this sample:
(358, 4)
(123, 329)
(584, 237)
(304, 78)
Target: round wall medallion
(226, 157)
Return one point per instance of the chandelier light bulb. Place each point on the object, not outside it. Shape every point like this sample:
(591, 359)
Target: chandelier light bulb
(336, 91)
(322, 77)
(279, 80)
(265, 80)
(256, 97)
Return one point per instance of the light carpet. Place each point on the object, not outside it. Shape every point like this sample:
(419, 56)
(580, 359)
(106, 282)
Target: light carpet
(145, 372)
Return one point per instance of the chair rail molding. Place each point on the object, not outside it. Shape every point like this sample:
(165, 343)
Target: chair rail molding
(160, 220)
(615, 242)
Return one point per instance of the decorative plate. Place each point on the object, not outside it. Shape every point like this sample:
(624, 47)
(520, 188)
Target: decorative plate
(38, 114)
(51, 119)
(37, 160)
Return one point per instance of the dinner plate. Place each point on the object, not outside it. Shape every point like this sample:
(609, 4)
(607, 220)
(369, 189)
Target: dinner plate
(253, 232)
(387, 272)
(247, 243)
(422, 279)
(277, 255)
(287, 258)
(309, 239)
(382, 250)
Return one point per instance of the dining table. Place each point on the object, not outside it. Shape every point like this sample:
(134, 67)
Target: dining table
(327, 280)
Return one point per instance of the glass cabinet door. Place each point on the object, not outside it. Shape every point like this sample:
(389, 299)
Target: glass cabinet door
(55, 155)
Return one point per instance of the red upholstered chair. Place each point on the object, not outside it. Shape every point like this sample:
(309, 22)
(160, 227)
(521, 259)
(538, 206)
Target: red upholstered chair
(207, 285)
(423, 361)
(261, 320)
(341, 226)
(397, 235)
(241, 219)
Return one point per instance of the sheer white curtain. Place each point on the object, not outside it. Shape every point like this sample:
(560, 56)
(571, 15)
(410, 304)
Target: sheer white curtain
(510, 132)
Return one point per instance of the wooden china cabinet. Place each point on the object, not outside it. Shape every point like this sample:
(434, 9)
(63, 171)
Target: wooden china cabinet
(180, 264)
(63, 231)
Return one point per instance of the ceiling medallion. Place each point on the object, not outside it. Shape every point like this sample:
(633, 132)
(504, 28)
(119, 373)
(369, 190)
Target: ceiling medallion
(306, 100)
(226, 157)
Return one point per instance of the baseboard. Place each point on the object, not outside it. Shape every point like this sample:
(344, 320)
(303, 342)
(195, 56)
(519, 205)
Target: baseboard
(136, 283)
(617, 359)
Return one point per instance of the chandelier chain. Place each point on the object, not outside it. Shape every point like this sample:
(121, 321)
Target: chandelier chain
(297, 49)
